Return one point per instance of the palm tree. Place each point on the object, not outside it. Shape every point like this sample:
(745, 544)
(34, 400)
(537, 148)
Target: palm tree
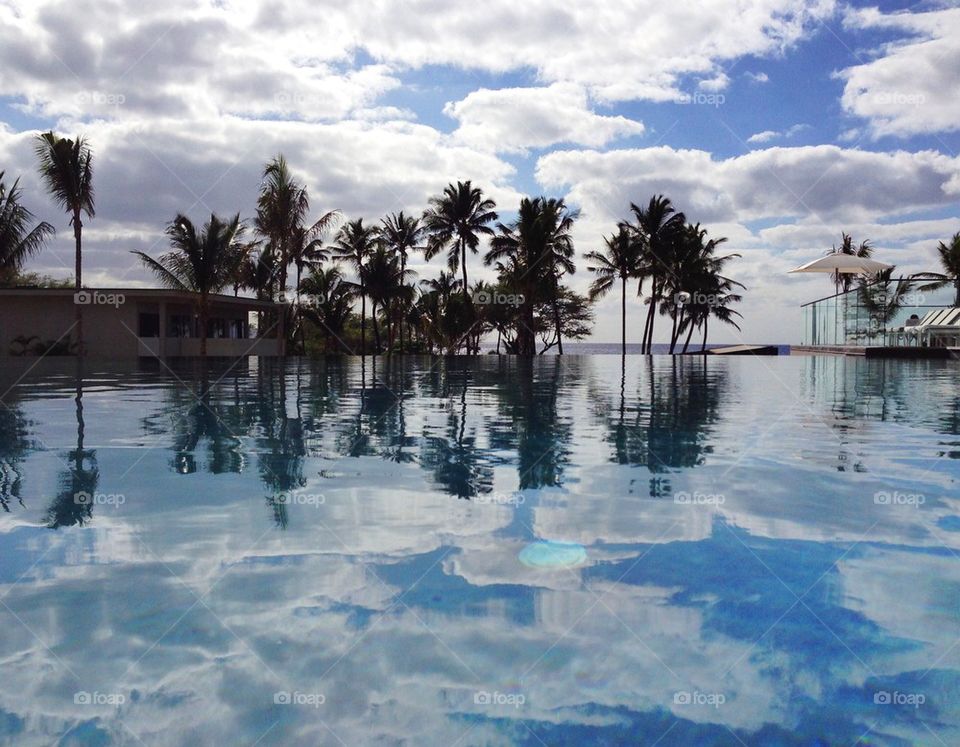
(281, 210)
(384, 282)
(537, 248)
(950, 262)
(518, 250)
(721, 289)
(712, 293)
(694, 263)
(355, 242)
(306, 247)
(620, 260)
(201, 262)
(18, 240)
(403, 234)
(444, 312)
(444, 286)
(66, 167)
(556, 226)
(843, 281)
(333, 297)
(456, 220)
(657, 227)
(882, 297)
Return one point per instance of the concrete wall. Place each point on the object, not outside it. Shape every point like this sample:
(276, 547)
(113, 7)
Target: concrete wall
(111, 330)
(107, 330)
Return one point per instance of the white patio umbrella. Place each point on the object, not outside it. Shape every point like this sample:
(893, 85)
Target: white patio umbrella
(846, 264)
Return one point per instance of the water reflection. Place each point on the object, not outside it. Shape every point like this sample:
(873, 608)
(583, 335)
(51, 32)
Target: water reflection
(404, 589)
(77, 485)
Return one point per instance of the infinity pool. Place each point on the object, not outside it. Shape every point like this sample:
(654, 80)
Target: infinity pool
(480, 552)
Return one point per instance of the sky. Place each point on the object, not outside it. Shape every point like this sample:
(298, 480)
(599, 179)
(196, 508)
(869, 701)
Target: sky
(774, 123)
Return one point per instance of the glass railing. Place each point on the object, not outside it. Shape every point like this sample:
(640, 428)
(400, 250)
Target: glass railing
(879, 314)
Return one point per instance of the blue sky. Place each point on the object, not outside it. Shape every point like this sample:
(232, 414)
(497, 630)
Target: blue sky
(805, 119)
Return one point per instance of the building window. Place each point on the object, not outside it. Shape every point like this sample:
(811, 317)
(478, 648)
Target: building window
(149, 325)
(217, 328)
(180, 325)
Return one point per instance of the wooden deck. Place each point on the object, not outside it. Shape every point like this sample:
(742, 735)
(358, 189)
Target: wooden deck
(745, 350)
(878, 351)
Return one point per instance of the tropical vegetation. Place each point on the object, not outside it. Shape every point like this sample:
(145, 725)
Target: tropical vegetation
(202, 262)
(354, 288)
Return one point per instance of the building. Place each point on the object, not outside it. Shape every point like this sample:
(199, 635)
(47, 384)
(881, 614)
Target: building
(134, 322)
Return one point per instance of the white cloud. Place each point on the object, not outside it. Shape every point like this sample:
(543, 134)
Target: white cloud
(763, 137)
(717, 83)
(849, 136)
(822, 180)
(757, 77)
(514, 119)
(768, 135)
(181, 58)
(913, 85)
(810, 194)
(191, 166)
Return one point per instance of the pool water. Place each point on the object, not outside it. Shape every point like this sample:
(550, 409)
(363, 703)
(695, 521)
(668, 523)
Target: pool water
(485, 551)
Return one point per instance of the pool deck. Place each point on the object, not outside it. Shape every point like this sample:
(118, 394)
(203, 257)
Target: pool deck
(745, 350)
(877, 351)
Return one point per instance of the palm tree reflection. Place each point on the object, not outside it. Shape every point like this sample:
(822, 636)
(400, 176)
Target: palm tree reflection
(73, 505)
(664, 426)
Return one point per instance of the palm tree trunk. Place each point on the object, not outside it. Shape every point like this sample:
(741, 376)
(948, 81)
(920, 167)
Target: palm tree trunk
(203, 325)
(703, 347)
(956, 285)
(403, 274)
(648, 325)
(78, 270)
(623, 316)
(498, 340)
(686, 343)
(527, 341)
(303, 339)
(556, 324)
(463, 267)
(675, 336)
(391, 311)
(653, 319)
(363, 321)
(376, 328)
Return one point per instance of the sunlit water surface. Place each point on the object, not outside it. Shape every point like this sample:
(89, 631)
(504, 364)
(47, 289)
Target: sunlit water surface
(480, 552)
